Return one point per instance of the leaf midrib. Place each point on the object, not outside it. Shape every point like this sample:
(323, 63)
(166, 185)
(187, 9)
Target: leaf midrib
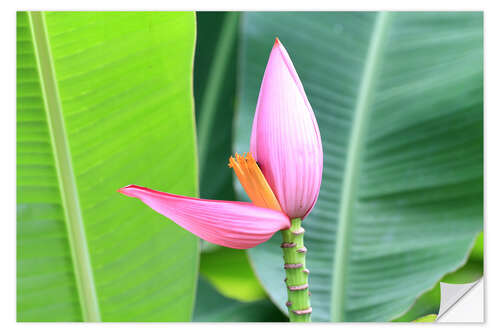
(352, 166)
(66, 179)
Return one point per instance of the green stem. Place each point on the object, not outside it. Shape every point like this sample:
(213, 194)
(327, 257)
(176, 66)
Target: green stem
(294, 253)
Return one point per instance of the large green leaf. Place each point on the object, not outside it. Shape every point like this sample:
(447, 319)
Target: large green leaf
(398, 98)
(104, 100)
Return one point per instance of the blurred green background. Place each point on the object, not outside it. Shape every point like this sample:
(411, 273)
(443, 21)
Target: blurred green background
(107, 99)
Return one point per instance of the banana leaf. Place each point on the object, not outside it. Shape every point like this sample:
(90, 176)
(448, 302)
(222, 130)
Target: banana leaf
(103, 100)
(399, 101)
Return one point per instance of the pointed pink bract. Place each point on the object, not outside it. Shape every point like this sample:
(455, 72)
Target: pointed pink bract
(285, 137)
(238, 225)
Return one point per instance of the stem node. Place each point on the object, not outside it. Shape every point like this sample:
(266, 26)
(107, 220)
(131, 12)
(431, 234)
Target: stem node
(302, 250)
(296, 288)
(303, 312)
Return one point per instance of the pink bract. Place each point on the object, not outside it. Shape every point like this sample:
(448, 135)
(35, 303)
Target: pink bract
(285, 137)
(238, 225)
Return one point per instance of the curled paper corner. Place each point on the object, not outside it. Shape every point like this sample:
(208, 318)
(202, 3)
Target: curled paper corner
(462, 303)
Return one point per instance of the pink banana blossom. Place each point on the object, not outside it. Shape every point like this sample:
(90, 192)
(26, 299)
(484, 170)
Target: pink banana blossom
(286, 144)
(285, 137)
